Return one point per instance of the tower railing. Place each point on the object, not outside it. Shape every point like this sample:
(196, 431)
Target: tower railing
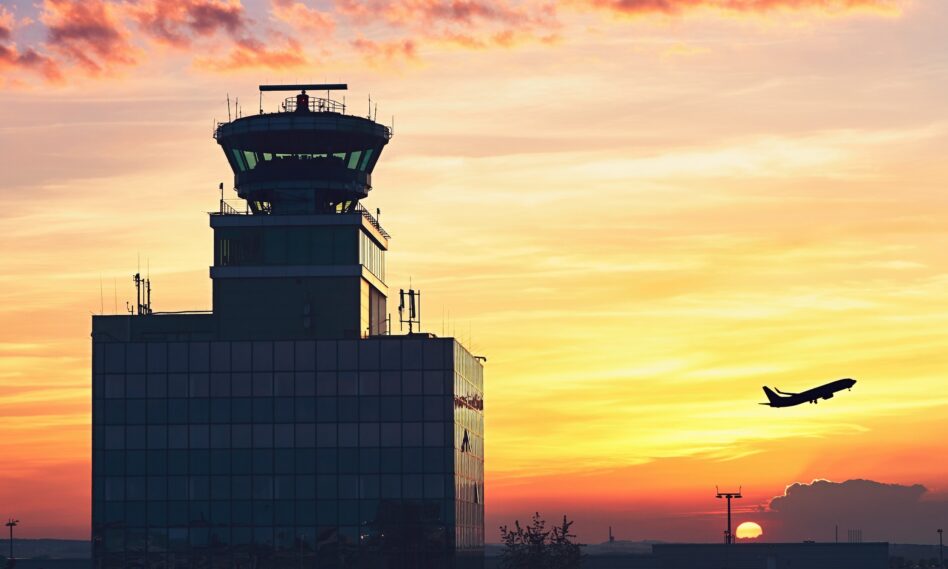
(227, 209)
(316, 105)
(372, 220)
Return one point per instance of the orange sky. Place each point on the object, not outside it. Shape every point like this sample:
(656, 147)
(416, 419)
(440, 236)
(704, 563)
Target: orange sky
(639, 211)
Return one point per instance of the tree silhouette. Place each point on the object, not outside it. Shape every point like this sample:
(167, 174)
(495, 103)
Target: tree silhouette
(564, 552)
(535, 547)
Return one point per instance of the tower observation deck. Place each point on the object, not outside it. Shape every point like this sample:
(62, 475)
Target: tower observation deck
(309, 157)
(309, 259)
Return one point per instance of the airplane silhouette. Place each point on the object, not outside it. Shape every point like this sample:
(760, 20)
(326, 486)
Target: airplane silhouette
(809, 396)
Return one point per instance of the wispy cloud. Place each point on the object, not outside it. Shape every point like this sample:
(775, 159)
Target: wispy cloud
(386, 51)
(300, 16)
(675, 7)
(252, 53)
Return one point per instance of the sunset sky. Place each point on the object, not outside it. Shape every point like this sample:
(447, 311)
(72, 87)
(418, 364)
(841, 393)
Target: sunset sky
(640, 211)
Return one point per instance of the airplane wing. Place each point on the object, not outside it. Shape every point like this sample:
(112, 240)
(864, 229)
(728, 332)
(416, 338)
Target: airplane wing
(784, 392)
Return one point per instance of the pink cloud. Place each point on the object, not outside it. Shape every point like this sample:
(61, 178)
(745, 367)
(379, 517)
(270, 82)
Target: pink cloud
(12, 58)
(250, 53)
(418, 13)
(30, 60)
(631, 7)
(178, 22)
(301, 16)
(96, 37)
(88, 33)
(385, 52)
(469, 24)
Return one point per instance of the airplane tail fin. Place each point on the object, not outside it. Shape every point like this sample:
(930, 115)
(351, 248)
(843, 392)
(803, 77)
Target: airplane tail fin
(771, 396)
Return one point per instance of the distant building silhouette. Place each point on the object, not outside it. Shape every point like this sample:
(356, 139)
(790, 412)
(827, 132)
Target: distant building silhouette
(286, 428)
(807, 555)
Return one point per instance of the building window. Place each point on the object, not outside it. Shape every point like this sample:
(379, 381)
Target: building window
(225, 252)
(371, 256)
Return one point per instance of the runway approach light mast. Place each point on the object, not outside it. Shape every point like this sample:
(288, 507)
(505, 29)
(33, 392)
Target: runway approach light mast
(728, 536)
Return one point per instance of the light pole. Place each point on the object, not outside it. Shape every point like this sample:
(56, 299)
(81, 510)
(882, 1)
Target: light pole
(11, 523)
(728, 536)
(941, 549)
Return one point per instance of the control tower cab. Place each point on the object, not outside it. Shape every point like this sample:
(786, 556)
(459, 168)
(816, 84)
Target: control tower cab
(311, 157)
(303, 258)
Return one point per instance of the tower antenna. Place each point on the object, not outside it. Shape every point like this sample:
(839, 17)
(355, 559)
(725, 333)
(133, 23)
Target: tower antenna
(228, 107)
(148, 286)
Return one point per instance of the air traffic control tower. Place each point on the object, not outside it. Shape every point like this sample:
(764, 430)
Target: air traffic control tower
(287, 427)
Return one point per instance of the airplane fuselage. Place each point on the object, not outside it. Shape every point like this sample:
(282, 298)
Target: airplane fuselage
(781, 399)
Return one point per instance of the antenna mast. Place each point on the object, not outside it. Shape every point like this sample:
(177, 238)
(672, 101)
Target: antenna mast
(413, 308)
(142, 295)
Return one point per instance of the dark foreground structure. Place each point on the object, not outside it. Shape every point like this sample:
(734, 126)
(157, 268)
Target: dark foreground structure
(771, 556)
(287, 428)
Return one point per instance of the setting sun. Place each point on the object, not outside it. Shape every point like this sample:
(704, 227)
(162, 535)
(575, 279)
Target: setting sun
(749, 530)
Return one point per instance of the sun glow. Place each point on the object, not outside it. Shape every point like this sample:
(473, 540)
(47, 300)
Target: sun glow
(749, 530)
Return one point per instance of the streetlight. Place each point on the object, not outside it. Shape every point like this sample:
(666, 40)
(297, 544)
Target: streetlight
(11, 523)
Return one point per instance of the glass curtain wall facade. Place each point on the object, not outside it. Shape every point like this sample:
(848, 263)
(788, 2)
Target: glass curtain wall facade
(325, 454)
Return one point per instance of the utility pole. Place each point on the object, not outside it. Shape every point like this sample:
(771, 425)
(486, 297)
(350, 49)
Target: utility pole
(11, 523)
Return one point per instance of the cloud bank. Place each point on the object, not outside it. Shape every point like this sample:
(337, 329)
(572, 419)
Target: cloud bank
(95, 38)
(884, 512)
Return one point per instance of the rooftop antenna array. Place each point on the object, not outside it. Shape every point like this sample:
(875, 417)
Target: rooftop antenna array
(728, 536)
(413, 309)
(142, 296)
